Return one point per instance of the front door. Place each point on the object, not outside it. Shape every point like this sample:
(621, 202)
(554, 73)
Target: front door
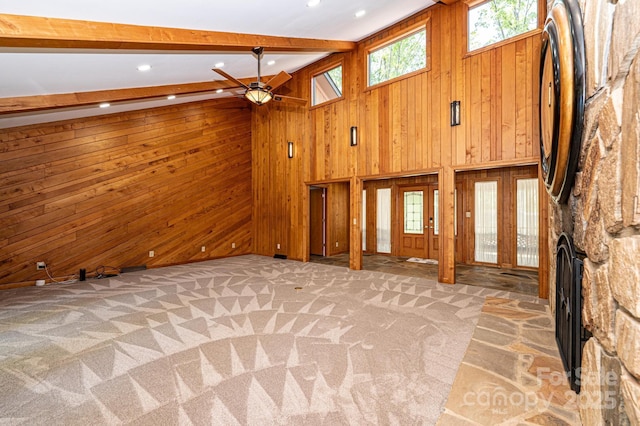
(418, 207)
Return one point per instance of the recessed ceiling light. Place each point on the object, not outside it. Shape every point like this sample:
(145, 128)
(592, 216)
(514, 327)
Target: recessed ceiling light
(361, 13)
(220, 65)
(105, 105)
(313, 3)
(219, 91)
(271, 62)
(145, 67)
(171, 97)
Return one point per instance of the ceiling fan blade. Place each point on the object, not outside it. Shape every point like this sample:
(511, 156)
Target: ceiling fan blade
(289, 99)
(281, 78)
(230, 77)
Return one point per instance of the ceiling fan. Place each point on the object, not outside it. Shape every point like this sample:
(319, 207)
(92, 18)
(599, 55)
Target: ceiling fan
(260, 92)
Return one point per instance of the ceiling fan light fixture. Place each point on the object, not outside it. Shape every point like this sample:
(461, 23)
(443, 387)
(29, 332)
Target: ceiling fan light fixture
(258, 95)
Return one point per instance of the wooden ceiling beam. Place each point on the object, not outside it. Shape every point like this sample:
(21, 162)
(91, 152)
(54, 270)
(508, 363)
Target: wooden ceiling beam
(62, 100)
(40, 32)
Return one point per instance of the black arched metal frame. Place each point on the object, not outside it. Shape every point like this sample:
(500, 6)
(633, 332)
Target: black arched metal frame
(552, 169)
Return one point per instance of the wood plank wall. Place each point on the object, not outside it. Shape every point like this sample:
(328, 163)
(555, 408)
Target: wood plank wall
(338, 218)
(106, 190)
(281, 199)
(403, 126)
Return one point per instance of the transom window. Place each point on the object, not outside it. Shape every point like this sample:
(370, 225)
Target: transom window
(326, 86)
(496, 20)
(400, 57)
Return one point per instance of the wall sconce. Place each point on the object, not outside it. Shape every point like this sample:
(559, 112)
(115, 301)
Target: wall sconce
(354, 136)
(455, 113)
(290, 150)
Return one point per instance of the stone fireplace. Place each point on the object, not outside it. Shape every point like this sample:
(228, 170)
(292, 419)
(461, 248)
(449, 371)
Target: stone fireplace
(603, 214)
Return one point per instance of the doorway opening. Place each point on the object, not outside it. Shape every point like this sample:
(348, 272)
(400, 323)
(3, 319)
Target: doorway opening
(329, 219)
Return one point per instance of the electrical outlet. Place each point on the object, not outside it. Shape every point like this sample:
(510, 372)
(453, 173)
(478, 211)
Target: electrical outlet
(203, 249)
(40, 266)
(152, 253)
(278, 246)
(233, 245)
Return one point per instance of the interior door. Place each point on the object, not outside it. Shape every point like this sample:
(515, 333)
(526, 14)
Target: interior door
(413, 233)
(317, 221)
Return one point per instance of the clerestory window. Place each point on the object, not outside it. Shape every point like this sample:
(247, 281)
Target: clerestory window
(326, 86)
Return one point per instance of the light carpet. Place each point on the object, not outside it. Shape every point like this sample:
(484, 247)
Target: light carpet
(231, 341)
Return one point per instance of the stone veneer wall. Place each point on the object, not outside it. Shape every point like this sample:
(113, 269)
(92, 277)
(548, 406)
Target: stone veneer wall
(603, 214)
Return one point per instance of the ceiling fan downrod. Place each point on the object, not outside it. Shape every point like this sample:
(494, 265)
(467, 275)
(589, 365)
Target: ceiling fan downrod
(258, 51)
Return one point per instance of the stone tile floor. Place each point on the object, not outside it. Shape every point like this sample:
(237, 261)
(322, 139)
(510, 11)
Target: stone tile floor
(516, 280)
(511, 373)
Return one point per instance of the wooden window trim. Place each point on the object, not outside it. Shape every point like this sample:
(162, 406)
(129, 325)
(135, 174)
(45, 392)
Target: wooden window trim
(470, 53)
(330, 66)
(423, 24)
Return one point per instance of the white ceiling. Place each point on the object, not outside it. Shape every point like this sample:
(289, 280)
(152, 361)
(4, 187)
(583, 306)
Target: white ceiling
(26, 72)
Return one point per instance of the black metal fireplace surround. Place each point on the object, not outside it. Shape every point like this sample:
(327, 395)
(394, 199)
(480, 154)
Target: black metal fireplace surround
(570, 334)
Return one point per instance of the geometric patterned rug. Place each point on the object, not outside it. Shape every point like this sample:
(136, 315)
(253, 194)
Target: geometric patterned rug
(232, 341)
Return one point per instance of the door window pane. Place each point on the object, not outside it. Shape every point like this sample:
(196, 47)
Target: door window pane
(486, 222)
(413, 212)
(527, 222)
(436, 221)
(383, 220)
(455, 212)
(364, 220)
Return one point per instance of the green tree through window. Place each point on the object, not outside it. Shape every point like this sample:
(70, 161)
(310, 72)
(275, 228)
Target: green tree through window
(498, 20)
(336, 76)
(399, 58)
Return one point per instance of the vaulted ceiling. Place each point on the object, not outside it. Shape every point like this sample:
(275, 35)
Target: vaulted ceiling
(61, 59)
